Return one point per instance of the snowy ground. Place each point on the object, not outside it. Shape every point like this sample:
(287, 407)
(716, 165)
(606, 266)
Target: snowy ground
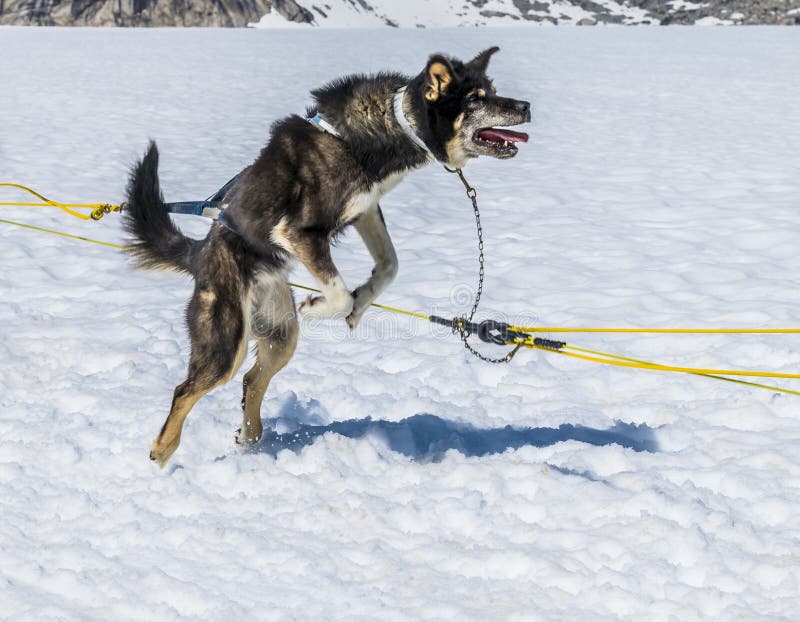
(660, 187)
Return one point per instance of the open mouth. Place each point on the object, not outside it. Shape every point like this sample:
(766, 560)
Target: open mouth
(500, 139)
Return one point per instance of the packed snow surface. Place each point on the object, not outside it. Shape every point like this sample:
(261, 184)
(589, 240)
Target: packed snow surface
(399, 478)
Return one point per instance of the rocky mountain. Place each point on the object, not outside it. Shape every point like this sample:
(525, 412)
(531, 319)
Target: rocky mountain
(724, 11)
(403, 13)
(230, 13)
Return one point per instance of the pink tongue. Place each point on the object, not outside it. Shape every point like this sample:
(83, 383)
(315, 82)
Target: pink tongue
(498, 135)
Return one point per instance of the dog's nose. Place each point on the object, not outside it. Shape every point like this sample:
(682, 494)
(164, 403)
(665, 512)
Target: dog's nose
(521, 106)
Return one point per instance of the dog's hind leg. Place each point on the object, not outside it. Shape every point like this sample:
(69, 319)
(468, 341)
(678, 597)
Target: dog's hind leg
(274, 325)
(219, 344)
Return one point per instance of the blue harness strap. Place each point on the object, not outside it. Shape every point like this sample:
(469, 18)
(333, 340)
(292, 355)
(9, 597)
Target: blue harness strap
(220, 194)
(195, 208)
(210, 208)
(223, 220)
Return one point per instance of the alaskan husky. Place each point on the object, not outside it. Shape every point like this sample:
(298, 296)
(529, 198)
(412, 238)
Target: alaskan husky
(316, 176)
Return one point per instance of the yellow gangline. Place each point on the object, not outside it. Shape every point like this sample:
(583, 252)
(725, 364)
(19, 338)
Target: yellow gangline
(586, 354)
(714, 376)
(685, 370)
(31, 204)
(97, 208)
(64, 235)
(125, 248)
(619, 361)
(686, 331)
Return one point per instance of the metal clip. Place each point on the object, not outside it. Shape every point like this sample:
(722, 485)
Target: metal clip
(101, 211)
(511, 354)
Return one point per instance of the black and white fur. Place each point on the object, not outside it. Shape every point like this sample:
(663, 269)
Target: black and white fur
(305, 187)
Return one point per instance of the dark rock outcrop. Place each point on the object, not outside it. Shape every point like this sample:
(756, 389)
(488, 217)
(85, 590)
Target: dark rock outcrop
(146, 12)
(733, 11)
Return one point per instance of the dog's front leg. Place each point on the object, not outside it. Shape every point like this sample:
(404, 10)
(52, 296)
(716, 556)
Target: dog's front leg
(314, 251)
(372, 229)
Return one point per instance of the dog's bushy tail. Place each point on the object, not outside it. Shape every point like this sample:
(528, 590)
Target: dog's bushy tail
(156, 241)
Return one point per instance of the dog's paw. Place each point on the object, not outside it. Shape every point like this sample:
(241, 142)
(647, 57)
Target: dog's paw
(250, 438)
(353, 319)
(311, 301)
(161, 453)
(321, 307)
(361, 301)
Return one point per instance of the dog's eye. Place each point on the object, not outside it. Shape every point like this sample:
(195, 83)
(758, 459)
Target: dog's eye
(476, 95)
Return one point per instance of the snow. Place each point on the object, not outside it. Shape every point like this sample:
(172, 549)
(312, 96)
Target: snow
(710, 20)
(273, 19)
(659, 188)
(451, 13)
(683, 5)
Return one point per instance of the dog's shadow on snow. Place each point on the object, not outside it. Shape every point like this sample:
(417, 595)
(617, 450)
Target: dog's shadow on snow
(426, 437)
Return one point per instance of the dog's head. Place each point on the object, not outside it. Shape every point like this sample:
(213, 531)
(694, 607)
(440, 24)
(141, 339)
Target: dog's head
(466, 118)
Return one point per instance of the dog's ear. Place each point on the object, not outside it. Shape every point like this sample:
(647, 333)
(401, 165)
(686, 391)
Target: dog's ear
(439, 74)
(481, 61)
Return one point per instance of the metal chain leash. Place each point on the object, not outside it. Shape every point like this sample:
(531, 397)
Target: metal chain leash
(460, 323)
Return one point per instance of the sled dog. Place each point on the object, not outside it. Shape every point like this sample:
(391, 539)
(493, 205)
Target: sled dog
(316, 176)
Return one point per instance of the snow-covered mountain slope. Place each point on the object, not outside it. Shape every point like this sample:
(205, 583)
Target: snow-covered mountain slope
(659, 188)
(448, 13)
(404, 13)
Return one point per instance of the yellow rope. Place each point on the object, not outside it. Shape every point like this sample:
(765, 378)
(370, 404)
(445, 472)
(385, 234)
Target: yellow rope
(672, 368)
(98, 209)
(395, 310)
(31, 204)
(689, 331)
(595, 356)
(734, 380)
(657, 367)
(621, 361)
(64, 235)
(374, 304)
(125, 248)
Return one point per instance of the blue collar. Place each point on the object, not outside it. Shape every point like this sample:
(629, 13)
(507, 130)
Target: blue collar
(322, 125)
(400, 117)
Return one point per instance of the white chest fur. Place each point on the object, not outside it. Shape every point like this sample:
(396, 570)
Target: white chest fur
(364, 201)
